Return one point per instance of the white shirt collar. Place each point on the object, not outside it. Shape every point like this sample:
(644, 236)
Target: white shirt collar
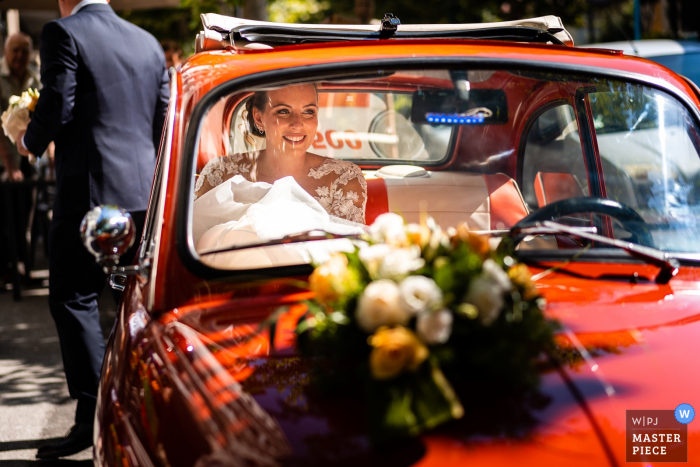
(83, 3)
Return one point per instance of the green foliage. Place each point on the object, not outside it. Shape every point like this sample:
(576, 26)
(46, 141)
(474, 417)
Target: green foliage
(411, 404)
(298, 11)
(472, 11)
(197, 7)
(163, 23)
(179, 24)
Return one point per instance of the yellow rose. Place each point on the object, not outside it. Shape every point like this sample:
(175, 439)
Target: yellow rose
(521, 275)
(395, 351)
(332, 279)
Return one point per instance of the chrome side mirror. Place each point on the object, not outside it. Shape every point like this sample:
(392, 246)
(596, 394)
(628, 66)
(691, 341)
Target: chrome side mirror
(108, 232)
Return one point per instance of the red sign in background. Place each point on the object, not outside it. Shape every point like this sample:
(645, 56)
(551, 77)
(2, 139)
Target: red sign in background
(655, 436)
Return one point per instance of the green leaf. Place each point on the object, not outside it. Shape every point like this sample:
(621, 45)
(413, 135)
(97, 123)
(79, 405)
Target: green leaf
(411, 404)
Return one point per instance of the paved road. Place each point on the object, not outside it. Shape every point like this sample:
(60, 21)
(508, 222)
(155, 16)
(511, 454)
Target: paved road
(34, 402)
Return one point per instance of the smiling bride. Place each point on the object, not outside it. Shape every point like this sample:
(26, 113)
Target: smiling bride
(282, 189)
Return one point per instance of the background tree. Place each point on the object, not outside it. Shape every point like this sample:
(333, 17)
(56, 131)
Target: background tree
(603, 20)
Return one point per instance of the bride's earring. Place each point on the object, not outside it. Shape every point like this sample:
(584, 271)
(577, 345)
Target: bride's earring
(259, 129)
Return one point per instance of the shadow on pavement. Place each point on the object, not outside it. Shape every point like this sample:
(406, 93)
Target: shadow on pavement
(34, 444)
(25, 444)
(56, 463)
(31, 370)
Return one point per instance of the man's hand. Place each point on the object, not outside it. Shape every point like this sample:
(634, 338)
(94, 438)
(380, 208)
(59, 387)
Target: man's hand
(20, 144)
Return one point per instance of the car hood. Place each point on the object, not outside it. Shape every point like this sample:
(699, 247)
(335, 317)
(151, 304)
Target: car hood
(628, 346)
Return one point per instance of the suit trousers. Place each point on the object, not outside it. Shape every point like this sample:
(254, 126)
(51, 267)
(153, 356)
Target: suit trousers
(75, 283)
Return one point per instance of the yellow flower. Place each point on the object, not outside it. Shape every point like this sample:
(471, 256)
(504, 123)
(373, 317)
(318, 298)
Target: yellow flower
(521, 275)
(34, 94)
(418, 234)
(332, 280)
(478, 243)
(395, 351)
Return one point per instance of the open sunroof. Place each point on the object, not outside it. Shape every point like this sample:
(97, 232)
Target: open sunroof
(223, 31)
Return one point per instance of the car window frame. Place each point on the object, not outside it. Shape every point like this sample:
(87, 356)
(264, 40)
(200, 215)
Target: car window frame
(153, 225)
(527, 128)
(604, 224)
(185, 245)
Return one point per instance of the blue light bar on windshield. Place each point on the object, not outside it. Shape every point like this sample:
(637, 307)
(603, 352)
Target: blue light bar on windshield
(452, 119)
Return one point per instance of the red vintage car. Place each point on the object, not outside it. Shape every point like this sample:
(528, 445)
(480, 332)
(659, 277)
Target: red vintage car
(505, 127)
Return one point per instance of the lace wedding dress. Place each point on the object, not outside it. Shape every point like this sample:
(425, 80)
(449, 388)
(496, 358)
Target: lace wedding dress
(334, 176)
(238, 212)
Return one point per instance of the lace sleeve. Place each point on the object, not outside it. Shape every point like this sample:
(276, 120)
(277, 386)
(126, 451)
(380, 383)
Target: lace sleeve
(217, 170)
(346, 197)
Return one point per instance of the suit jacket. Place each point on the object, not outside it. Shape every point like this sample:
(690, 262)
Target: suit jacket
(103, 102)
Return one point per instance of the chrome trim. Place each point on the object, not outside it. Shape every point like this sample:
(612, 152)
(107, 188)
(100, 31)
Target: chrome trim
(107, 232)
(117, 281)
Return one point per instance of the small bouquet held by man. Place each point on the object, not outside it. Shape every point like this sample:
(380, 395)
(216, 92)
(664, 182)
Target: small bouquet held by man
(18, 114)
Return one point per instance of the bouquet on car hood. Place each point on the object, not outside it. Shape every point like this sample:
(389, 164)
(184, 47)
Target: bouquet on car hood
(18, 113)
(416, 313)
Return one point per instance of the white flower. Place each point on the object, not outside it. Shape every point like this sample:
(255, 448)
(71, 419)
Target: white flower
(379, 306)
(25, 100)
(384, 261)
(14, 100)
(497, 275)
(487, 297)
(372, 255)
(399, 262)
(434, 328)
(389, 228)
(419, 293)
(486, 291)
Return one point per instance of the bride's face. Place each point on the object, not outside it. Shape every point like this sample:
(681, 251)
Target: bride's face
(290, 119)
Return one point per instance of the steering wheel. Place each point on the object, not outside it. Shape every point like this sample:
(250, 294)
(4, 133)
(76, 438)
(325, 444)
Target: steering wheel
(628, 217)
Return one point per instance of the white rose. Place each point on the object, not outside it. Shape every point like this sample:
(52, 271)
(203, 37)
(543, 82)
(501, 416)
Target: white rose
(14, 100)
(372, 255)
(434, 328)
(487, 297)
(379, 306)
(399, 262)
(497, 275)
(419, 293)
(389, 228)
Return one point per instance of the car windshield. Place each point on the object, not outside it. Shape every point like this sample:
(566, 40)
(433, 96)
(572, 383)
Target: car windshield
(485, 147)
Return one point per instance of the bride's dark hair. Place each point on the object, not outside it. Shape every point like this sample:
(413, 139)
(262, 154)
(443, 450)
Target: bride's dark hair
(257, 100)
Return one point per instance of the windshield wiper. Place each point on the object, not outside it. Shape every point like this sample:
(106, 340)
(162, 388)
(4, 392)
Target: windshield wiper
(669, 266)
(310, 236)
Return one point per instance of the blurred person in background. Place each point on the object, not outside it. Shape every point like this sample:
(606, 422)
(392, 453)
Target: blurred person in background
(173, 53)
(16, 76)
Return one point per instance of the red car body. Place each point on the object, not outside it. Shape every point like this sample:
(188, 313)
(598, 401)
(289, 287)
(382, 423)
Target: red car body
(188, 354)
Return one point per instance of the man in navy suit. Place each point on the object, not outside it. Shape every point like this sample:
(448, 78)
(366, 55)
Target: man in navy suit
(103, 102)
